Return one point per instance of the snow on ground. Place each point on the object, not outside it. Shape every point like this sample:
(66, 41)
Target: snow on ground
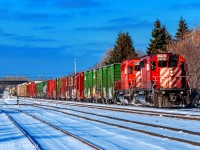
(11, 138)
(47, 137)
(102, 135)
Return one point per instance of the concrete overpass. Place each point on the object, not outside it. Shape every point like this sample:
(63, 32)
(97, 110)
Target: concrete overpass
(12, 81)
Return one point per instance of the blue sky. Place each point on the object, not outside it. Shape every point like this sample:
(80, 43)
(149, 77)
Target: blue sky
(42, 37)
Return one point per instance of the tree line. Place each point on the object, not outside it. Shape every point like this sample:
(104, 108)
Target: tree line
(185, 42)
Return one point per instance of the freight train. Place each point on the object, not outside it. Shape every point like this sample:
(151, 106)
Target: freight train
(158, 80)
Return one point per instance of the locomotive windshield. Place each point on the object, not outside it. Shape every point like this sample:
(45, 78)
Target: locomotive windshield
(142, 64)
(162, 64)
(130, 69)
(172, 63)
(137, 68)
(173, 57)
(153, 65)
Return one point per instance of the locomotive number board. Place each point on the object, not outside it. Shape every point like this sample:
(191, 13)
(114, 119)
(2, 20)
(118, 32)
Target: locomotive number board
(136, 63)
(162, 57)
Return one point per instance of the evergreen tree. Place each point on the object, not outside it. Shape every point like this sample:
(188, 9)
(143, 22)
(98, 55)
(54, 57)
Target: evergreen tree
(182, 29)
(165, 38)
(160, 39)
(123, 49)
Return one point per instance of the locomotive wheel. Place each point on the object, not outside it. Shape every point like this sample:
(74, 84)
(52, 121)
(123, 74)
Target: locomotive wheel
(165, 101)
(103, 101)
(95, 100)
(135, 100)
(188, 101)
(98, 100)
(109, 101)
(115, 99)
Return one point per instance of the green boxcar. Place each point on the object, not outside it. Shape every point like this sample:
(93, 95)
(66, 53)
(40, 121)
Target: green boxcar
(90, 83)
(38, 90)
(99, 83)
(44, 92)
(94, 83)
(88, 75)
(58, 84)
(99, 75)
(104, 82)
(41, 89)
(85, 84)
(111, 74)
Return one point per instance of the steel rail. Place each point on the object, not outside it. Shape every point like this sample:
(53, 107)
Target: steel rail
(132, 129)
(31, 139)
(61, 130)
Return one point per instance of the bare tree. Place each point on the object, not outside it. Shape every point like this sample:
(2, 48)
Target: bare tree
(189, 48)
(140, 53)
(104, 60)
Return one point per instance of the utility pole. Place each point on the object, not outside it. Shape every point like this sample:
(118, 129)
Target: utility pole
(74, 91)
(75, 66)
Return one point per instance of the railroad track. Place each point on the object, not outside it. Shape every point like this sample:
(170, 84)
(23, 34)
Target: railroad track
(31, 139)
(36, 144)
(125, 120)
(130, 128)
(57, 109)
(195, 110)
(132, 111)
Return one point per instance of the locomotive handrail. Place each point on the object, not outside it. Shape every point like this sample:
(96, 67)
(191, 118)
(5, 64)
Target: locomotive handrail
(133, 82)
(155, 78)
(154, 84)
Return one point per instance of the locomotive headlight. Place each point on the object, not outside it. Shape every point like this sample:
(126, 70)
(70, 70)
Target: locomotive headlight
(181, 92)
(163, 92)
(171, 73)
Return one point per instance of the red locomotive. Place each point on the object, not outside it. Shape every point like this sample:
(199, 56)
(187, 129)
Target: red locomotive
(160, 80)
(130, 81)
